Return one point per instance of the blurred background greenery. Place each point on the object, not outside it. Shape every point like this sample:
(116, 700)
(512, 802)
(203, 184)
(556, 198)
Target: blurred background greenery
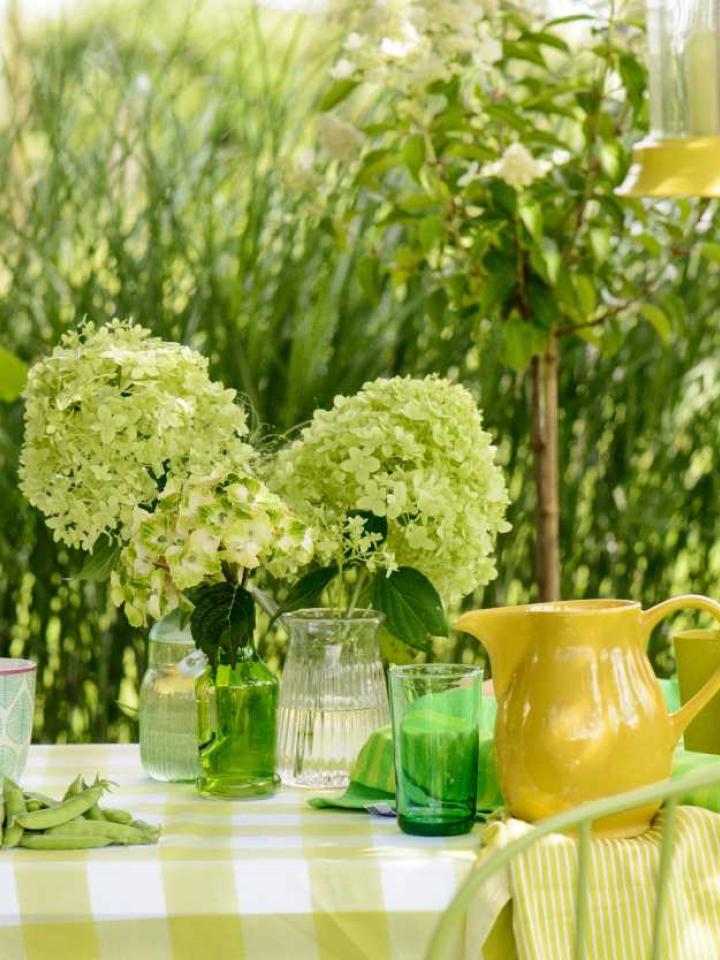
(157, 163)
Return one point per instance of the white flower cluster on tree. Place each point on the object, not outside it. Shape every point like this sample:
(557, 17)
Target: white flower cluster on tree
(407, 44)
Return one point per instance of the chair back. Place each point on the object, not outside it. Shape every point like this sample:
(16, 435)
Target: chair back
(444, 944)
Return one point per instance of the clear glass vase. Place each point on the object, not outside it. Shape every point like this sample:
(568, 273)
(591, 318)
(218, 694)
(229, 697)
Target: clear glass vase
(332, 695)
(237, 729)
(168, 714)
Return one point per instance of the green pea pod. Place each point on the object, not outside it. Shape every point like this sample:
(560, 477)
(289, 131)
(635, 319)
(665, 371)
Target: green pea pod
(149, 830)
(94, 813)
(117, 816)
(14, 808)
(41, 798)
(64, 812)
(75, 788)
(117, 832)
(56, 841)
(2, 814)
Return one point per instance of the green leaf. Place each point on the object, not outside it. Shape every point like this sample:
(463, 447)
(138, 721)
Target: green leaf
(338, 92)
(430, 231)
(369, 277)
(634, 79)
(531, 215)
(393, 650)
(586, 289)
(651, 244)
(413, 152)
(521, 342)
(543, 303)
(13, 376)
(436, 306)
(573, 18)
(309, 589)
(223, 619)
(611, 159)
(659, 319)
(99, 563)
(711, 251)
(377, 163)
(547, 39)
(499, 282)
(412, 606)
(524, 51)
(600, 243)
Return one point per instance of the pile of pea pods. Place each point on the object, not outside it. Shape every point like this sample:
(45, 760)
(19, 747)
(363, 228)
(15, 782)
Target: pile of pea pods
(77, 822)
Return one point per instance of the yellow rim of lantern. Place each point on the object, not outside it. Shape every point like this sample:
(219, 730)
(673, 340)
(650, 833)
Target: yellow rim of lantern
(674, 167)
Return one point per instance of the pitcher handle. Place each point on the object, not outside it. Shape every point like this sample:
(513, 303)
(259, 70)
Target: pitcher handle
(651, 618)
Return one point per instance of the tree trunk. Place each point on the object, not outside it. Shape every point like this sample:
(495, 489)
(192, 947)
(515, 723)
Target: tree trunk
(545, 451)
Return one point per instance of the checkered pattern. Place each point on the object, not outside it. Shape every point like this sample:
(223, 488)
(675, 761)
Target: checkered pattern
(251, 880)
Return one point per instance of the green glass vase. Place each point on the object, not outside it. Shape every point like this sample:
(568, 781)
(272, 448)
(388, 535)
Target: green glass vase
(237, 720)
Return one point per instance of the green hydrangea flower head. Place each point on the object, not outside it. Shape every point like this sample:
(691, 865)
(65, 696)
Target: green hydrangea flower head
(110, 414)
(206, 526)
(414, 452)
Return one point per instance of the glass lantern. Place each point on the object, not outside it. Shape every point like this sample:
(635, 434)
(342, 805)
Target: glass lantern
(681, 157)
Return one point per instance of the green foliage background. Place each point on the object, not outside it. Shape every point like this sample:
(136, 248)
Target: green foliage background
(150, 170)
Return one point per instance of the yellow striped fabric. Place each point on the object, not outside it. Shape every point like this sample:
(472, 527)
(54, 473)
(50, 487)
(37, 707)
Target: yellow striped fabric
(251, 880)
(541, 885)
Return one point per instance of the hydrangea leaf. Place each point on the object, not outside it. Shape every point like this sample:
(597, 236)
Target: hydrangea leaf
(223, 619)
(412, 606)
(394, 651)
(100, 562)
(309, 589)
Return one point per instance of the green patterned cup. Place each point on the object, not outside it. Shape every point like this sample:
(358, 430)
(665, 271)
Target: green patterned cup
(17, 705)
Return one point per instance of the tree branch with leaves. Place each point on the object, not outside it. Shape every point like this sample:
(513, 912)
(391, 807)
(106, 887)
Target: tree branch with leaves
(493, 147)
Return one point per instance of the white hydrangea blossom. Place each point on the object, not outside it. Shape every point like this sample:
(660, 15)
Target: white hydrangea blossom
(414, 452)
(109, 415)
(205, 526)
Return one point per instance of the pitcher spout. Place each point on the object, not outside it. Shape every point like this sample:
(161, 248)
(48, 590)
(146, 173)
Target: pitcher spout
(505, 634)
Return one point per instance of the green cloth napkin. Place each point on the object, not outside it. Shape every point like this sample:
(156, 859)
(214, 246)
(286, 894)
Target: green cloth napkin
(372, 779)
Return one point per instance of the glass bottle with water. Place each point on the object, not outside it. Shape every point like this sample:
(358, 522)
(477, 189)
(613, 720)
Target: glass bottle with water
(168, 703)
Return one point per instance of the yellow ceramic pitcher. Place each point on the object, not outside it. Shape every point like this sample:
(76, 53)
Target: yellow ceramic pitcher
(580, 712)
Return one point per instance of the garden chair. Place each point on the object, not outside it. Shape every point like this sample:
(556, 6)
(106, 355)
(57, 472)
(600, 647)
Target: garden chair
(578, 821)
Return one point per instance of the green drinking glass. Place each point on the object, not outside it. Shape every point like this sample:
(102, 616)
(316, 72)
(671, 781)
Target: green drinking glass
(436, 729)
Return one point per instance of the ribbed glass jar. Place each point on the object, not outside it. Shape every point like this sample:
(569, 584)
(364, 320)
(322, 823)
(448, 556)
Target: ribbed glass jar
(333, 695)
(168, 713)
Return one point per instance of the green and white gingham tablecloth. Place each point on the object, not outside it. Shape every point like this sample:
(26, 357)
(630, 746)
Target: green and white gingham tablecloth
(256, 880)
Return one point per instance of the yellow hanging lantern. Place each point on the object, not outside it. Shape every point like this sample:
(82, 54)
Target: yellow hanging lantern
(681, 157)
